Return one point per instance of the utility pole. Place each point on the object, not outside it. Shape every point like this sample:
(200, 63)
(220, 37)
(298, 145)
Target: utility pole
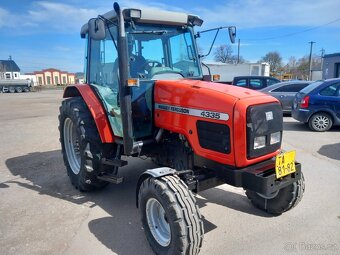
(238, 51)
(322, 55)
(310, 60)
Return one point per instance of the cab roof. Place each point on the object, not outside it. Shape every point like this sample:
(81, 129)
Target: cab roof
(151, 16)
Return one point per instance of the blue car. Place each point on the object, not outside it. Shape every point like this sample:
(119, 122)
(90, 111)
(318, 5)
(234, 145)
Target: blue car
(318, 104)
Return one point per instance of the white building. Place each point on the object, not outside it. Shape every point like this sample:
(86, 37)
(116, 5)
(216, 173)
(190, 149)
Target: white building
(9, 70)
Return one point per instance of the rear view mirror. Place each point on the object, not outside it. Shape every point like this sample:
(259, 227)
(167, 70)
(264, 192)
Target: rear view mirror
(96, 29)
(232, 34)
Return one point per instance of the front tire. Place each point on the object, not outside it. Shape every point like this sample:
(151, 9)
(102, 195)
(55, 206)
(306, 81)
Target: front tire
(81, 146)
(280, 202)
(170, 216)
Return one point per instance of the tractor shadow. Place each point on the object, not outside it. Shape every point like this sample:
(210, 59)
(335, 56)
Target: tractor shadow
(230, 200)
(331, 151)
(45, 173)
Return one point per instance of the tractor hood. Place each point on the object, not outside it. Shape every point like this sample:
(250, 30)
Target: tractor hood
(202, 95)
(211, 116)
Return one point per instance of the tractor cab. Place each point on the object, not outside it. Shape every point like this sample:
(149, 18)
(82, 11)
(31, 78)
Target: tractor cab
(127, 51)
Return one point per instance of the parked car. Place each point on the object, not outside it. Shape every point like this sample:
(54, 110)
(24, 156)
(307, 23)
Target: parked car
(318, 104)
(254, 82)
(285, 92)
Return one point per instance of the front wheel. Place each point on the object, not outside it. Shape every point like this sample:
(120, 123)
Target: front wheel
(170, 216)
(281, 201)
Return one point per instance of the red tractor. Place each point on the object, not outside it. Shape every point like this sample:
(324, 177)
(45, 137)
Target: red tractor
(145, 95)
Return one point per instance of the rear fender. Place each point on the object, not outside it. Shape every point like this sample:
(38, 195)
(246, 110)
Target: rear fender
(96, 108)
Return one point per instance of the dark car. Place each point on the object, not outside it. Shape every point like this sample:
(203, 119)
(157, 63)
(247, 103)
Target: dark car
(285, 92)
(254, 82)
(318, 104)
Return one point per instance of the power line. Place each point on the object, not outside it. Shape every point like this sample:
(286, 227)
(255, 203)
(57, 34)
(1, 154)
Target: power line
(293, 33)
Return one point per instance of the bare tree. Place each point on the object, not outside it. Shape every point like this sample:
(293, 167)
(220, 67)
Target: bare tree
(223, 53)
(2, 71)
(275, 61)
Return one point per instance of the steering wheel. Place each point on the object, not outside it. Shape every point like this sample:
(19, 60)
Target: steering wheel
(151, 63)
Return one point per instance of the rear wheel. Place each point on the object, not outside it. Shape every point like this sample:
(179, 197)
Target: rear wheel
(18, 89)
(26, 89)
(320, 122)
(280, 201)
(11, 89)
(170, 216)
(81, 146)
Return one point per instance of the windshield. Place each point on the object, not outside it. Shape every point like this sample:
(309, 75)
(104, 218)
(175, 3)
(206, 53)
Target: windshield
(311, 87)
(162, 52)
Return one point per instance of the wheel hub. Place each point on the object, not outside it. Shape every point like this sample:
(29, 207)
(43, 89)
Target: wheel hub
(321, 122)
(72, 145)
(158, 222)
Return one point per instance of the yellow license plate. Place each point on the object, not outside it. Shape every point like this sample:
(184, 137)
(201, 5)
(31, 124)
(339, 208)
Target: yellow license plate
(285, 164)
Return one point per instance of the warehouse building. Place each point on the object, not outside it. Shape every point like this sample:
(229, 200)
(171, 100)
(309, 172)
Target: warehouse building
(331, 66)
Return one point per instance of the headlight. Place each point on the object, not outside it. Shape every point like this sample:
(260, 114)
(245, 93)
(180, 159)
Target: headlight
(259, 142)
(275, 138)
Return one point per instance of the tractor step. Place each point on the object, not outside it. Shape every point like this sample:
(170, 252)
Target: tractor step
(114, 162)
(110, 178)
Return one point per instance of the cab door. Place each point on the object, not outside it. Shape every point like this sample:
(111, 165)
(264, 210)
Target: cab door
(102, 75)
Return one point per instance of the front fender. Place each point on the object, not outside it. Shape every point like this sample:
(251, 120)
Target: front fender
(155, 173)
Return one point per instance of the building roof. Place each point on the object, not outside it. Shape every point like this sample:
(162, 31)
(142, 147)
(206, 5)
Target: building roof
(332, 55)
(9, 66)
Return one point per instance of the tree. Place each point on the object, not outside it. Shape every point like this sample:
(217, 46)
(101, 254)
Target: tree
(234, 60)
(275, 61)
(2, 71)
(300, 68)
(223, 53)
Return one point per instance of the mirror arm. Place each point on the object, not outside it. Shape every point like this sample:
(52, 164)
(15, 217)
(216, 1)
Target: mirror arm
(212, 29)
(109, 21)
(213, 42)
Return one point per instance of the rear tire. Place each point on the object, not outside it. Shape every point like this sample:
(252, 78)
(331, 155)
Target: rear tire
(11, 89)
(286, 198)
(18, 89)
(81, 146)
(320, 122)
(26, 89)
(170, 216)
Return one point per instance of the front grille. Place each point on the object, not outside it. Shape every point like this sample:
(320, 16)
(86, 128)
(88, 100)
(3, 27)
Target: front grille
(214, 136)
(263, 120)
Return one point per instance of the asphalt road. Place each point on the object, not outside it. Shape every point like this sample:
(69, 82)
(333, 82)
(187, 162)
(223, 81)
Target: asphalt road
(41, 213)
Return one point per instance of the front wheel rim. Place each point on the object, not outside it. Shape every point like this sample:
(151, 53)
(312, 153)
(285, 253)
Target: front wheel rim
(321, 122)
(158, 222)
(72, 147)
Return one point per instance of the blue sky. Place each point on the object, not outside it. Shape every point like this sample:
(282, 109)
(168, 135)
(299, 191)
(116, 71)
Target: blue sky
(43, 34)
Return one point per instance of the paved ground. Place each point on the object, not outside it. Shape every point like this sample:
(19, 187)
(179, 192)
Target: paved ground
(41, 213)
